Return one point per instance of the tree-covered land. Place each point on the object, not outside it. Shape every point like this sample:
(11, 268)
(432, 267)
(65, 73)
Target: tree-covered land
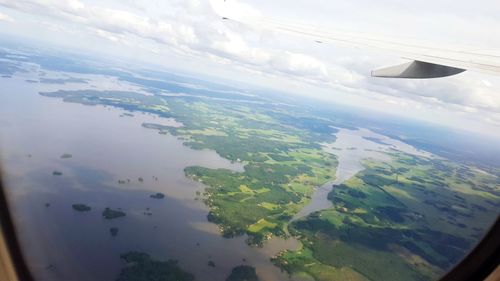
(66, 156)
(112, 214)
(281, 152)
(408, 219)
(141, 267)
(243, 273)
(81, 207)
(158, 195)
(262, 199)
(113, 231)
(57, 173)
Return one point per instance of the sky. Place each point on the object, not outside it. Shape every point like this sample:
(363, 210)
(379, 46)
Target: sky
(189, 35)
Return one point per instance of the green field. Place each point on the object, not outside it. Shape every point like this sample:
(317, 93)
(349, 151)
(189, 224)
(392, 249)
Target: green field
(281, 152)
(410, 218)
(415, 216)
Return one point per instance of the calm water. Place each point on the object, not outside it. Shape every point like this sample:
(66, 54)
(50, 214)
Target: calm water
(107, 146)
(62, 244)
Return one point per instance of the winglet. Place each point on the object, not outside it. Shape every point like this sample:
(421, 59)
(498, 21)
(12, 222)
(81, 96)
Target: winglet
(417, 70)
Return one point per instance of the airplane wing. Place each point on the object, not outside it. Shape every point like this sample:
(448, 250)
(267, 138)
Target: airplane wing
(425, 61)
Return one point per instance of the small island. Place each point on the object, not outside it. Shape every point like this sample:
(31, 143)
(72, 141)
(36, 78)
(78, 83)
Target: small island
(66, 156)
(376, 140)
(112, 214)
(81, 207)
(158, 195)
(140, 266)
(211, 263)
(243, 273)
(57, 173)
(113, 231)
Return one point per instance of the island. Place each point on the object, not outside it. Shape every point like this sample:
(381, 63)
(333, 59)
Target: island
(63, 80)
(113, 231)
(57, 173)
(66, 156)
(112, 214)
(141, 267)
(158, 195)
(376, 140)
(243, 273)
(81, 207)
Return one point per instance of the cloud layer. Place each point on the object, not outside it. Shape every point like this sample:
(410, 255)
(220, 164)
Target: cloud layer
(193, 28)
(4, 17)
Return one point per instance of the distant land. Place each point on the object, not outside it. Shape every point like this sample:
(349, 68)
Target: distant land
(405, 216)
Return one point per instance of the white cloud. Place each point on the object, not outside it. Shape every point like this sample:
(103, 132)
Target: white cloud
(194, 28)
(467, 90)
(59, 8)
(180, 31)
(234, 8)
(300, 64)
(4, 17)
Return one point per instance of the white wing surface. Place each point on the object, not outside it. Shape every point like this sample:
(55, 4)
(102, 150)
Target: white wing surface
(424, 61)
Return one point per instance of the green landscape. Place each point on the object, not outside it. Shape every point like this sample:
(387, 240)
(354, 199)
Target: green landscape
(410, 218)
(284, 160)
(141, 267)
(81, 207)
(243, 273)
(112, 214)
(414, 215)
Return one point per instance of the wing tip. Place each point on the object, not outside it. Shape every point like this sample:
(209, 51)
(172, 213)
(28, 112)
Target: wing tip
(416, 70)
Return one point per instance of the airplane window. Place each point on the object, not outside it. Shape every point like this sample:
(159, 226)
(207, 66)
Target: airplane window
(247, 140)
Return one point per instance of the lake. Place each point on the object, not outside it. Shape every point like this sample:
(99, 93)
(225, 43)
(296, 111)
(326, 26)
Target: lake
(107, 146)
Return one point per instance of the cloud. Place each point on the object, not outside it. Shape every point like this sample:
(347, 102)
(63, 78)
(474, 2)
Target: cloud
(69, 9)
(195, 28)
(300, 64)
(179, 30)
(4, 17)
(465, 91)
(234, 9)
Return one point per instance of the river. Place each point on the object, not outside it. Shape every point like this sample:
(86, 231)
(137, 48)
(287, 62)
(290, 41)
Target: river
(352, 147)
